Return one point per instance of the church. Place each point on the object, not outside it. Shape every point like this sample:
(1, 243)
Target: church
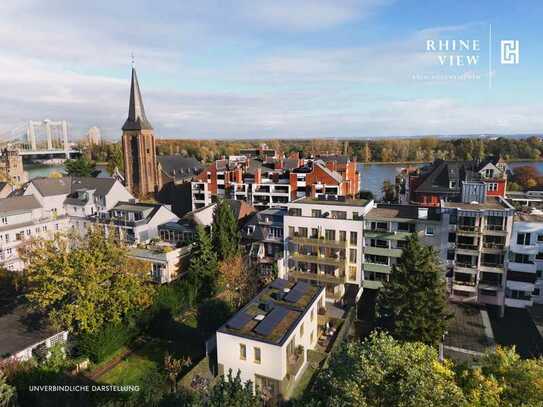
(165, 178)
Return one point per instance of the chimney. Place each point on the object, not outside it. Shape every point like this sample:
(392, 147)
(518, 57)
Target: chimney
(258, 176)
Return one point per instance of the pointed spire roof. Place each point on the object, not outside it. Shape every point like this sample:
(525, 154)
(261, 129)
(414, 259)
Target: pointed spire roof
(136, 113)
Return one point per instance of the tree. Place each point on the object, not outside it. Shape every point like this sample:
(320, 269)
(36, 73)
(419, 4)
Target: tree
(115, 158)
(233, 392)
(527, 176)
(12, 285)
(81, 167)
(173, 368)
(225, 232)
(520, 379)
(211, 314)
(384, 372)
(202, 272)
(412, 304)
(7, 392)
(82, 282)
(366, 153)
(238, 280)
(389, 191)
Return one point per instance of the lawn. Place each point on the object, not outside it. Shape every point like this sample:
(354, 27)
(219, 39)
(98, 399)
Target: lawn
(314, 361)
(180, 338)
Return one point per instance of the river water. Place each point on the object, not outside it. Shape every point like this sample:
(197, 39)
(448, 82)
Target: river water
(372, 176)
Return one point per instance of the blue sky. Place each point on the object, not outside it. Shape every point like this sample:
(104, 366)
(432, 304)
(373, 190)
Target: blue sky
(269, 68)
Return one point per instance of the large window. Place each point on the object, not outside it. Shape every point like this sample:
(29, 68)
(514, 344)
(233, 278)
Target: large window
(354, 238)
(375, 259)
(242, 351)
(257, 355)
(523, 239)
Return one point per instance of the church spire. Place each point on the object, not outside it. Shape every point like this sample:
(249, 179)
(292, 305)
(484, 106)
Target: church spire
(136, 113)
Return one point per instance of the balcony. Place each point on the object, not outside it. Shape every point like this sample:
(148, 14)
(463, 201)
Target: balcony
(377, 268)
(523, 267)
(467, 229)
(493, 246)
(327, 261)
(295, 361)
(321, 277)
(466, 247)
(466, 267)
(492, 267)
(379, 251)
(396, 235)
(319, 242)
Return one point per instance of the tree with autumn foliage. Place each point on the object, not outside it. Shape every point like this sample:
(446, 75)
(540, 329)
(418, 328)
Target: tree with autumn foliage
(238, 280)
(82, 282)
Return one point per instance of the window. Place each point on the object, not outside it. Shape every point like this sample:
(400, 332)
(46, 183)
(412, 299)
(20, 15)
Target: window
(401, 244)
(311, 337)
(450, 254)
(539, 256)
(342, 236)
(492, 186)
(7, 237)
(291, 231)
(339, 215)
(242, 351)
(330, 234)
(302, 232)
(540, 238)
(295, 211)
(452, 237)
(523, 239)
(302, 330)
(316, 213)
(28, 232)
(314, 233)
(429, 230)
(376, 259)
(352, 255)
(312, 316)
(4, 220)
(352, 272)
(536, 292)
(257, 355)
(354, 238)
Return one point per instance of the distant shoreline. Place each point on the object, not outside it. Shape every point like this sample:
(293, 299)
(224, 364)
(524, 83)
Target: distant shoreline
(513, 160)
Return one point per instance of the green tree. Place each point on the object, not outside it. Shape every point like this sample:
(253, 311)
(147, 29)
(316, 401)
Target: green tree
(211, 314)
(80, 167)
(520, 379)
(8, 393)
(82, 282)
(384, 372)
(115, 158)
(225, 231)
(412, 305)
(233, 392)
(389, 191)
(202, 273)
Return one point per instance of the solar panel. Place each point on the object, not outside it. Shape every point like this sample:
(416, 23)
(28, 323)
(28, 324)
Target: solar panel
(239, 320)
(272, 319)
(279, 283)
(294, 295)
(301, 286)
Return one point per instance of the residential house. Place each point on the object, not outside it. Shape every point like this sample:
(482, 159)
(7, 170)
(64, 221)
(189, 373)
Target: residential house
(267, 341)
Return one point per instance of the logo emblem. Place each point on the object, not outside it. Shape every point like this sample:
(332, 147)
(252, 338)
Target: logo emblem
(510, 52)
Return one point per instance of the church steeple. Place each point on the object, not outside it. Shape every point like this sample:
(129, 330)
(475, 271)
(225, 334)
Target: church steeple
(136, 119)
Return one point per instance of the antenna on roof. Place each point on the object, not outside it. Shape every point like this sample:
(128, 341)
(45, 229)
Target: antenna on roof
(133, 60)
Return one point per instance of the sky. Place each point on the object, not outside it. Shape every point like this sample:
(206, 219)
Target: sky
(249, 69)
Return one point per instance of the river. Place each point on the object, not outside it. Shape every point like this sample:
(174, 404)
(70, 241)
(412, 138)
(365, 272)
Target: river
(372, 176)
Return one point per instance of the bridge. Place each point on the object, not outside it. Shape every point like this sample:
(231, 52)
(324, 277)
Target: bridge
(41, 140)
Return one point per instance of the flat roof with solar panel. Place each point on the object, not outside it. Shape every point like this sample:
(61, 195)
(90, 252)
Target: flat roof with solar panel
(274, 313)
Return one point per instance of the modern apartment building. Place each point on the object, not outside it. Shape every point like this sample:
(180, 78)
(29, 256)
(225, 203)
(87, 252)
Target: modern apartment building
(386, 230)
(268, 339)
(165, 262)
(478, 242)
(524, 285)
(273, 182)
(324, 242)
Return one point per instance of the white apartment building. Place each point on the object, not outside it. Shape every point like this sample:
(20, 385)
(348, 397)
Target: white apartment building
(478, 242)
(524, 285)
(21, 218)
(386, 230)
(135, 222)
(324, 242)
(268, 339)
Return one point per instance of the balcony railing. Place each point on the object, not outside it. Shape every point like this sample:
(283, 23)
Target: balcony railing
(494, 227)
(321, 277)
(467, 246)
(329, 261)
(465, 265)
(491, 245)
(312, 241)
(468, 283)
(466, 228)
